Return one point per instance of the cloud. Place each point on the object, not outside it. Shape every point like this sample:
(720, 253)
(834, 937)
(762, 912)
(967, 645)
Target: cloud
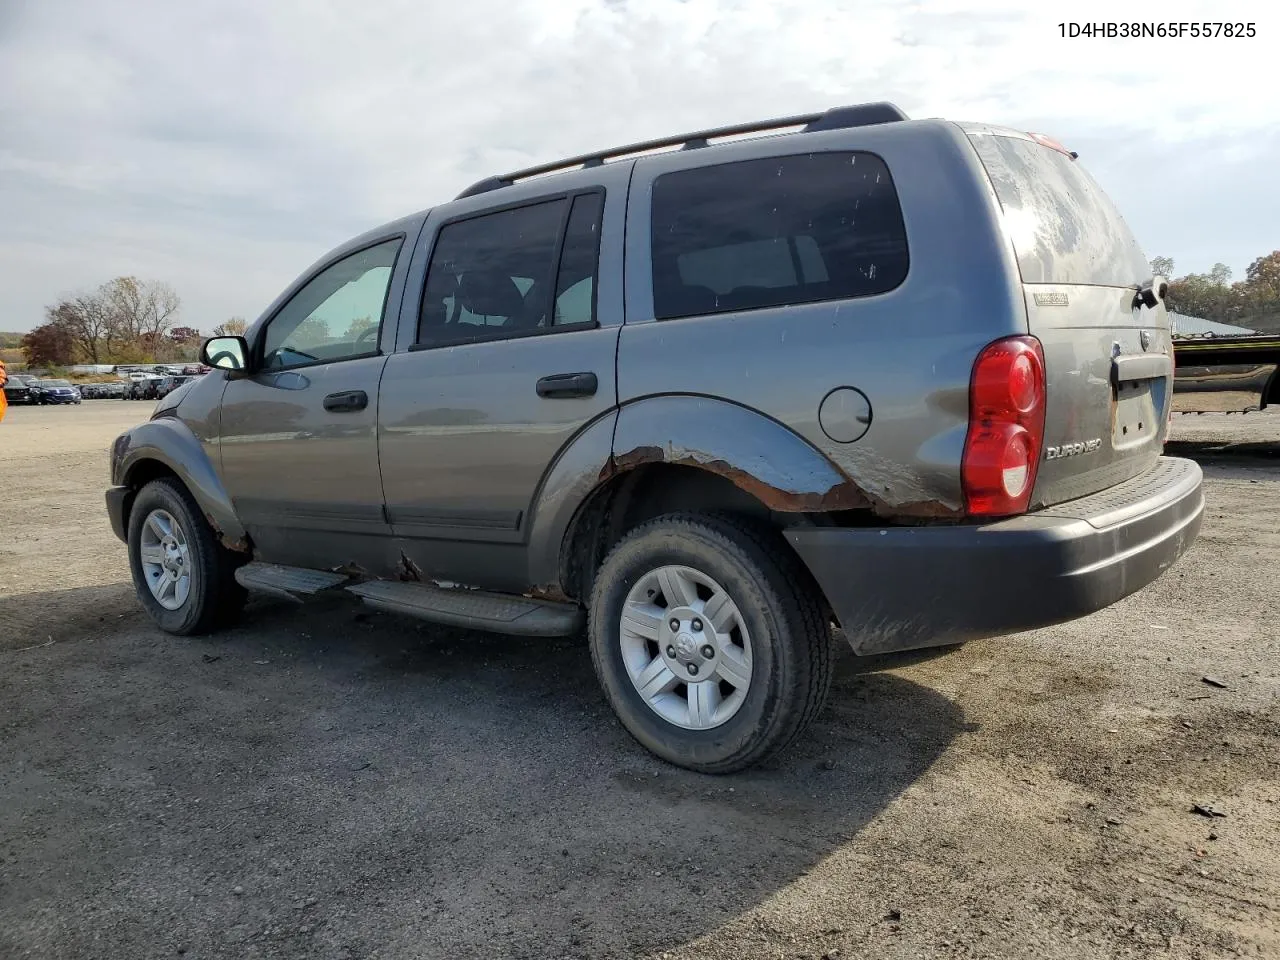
(223, 145)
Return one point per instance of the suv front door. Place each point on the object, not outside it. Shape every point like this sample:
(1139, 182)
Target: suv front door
(299, 439)
(513, 356)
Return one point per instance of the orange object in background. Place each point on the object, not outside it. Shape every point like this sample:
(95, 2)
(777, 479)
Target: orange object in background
(4, 378)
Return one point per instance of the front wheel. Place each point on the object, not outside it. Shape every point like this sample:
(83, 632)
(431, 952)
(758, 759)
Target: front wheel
(709, 640)
(183, 577)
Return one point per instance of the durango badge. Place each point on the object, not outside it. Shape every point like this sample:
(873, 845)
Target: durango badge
(1072, 449)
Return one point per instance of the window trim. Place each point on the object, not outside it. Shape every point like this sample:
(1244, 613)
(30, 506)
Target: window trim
(650, 233)
(569, 196)
(260, 341)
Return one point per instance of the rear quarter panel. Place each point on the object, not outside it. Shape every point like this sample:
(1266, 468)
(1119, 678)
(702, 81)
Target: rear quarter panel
(910, 350)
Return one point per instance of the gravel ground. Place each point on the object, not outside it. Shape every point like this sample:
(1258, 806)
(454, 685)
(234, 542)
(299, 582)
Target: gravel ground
(325, 782)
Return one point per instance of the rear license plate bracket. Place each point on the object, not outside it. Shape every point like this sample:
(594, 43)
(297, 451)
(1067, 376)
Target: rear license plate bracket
(1134, 420)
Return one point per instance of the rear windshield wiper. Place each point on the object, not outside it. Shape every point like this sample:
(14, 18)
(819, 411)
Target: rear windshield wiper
(1150, 293)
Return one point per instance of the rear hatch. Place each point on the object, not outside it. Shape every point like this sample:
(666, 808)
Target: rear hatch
(1108, 354)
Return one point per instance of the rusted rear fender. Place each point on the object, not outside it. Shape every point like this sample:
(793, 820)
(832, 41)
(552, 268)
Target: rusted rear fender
(759, 455)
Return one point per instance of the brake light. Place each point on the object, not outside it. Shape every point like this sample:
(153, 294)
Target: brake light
(1006, 428)
(1052, 144)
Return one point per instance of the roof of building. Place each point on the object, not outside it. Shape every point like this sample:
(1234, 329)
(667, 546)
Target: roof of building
(1185, 326)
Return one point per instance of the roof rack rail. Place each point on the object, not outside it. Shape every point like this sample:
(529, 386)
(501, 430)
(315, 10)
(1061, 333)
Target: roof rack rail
(837, 118)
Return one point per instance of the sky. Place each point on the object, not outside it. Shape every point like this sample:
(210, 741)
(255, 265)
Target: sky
(224, 145)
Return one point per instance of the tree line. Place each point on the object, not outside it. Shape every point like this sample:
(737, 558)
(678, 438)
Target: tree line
(1253, 302)
(124, 320)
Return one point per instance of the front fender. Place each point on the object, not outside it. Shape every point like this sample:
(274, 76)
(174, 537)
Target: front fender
(759, 455)
(170, 442)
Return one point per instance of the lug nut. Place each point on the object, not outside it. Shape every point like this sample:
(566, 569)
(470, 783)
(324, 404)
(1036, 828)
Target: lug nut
(671, 651)
(693, 669)
(708, 652)
(697, 624)
(675, 624)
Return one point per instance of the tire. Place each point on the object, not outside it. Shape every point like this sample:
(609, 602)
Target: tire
(781, 644)
(213, 597)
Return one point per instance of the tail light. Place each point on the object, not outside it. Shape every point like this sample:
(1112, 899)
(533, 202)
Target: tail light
(1006, 428)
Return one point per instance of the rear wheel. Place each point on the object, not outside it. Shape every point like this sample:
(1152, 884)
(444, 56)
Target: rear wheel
(709, 641)
(183, 577)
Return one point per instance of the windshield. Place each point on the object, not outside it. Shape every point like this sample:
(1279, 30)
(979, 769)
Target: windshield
(53, 383)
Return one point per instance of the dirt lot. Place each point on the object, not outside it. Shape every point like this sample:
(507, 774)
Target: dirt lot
(327, 783)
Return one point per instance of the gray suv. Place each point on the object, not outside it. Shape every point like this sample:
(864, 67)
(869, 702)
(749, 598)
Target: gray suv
(911, 378)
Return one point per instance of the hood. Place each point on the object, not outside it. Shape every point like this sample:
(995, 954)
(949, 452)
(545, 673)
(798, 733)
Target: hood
(170, 401)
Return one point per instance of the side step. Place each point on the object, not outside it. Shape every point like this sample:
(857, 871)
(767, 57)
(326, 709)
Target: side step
(475, 609)
(292, 583)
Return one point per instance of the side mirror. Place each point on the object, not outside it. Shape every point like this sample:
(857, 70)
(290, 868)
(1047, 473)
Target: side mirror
(225, 353)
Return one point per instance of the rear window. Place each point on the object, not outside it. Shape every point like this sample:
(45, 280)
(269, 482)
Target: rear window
(763, 233)
(1064, 228)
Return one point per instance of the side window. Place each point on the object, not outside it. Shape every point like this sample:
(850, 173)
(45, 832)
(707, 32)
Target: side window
(763, 233)
(576, 279)
(337, 315)
(491, 276)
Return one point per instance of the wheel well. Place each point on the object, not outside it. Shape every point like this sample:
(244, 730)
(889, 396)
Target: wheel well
(637, 496)
(144, 471)
(138, 476)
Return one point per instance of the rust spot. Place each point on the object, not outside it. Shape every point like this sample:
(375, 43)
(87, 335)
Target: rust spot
(238, 544)
(846, 495)
(549, 592)
(408, 570)
(634, 458)
(931, 509)
(842, 496)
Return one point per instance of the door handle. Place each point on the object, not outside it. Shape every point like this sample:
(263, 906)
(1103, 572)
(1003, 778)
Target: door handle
(346, 401)
(568, 385)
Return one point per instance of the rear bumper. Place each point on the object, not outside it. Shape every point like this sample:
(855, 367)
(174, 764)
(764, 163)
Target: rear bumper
(117, 509)
(902, 588)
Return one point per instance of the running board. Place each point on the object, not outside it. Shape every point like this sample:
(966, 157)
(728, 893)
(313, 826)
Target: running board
(292, 583)
(474, 609)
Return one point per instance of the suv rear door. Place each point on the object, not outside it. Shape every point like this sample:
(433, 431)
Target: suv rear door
(508, 355)
(1108, 355)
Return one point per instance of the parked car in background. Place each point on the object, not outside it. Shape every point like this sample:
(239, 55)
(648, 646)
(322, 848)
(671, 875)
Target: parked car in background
(144, 387)
(53, 391)
(18, 388)
(102, 391)
(169, 384)
(702, 403)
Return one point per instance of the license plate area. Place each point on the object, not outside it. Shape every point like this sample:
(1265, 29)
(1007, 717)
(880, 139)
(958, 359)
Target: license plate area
(1135, 420)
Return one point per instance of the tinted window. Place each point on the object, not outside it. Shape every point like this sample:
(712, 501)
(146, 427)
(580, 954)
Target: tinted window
(1064, 228)
(761, 233)
(576, 280)
(337, 315)
(490, 276)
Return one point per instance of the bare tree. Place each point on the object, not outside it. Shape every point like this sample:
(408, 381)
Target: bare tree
(86, 320)
(142, 311)
(235, 327)
(123, 317)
